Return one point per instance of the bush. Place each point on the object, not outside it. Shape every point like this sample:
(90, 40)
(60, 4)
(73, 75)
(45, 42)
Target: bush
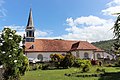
(86, 68)
(109, 65)
(100, 70)
(35, 67)
(117, 64)
(45, 66)
(68, 61)
(81, 63)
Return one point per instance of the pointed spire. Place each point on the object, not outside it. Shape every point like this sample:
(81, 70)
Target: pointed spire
(30, 19)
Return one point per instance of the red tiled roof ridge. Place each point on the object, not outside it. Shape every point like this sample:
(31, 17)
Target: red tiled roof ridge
(62, 40)
(52, 45)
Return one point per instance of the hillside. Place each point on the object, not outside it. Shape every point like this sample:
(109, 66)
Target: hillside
(105, 45)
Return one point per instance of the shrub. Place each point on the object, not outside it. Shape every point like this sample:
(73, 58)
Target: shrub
(40, 66)
(100, 70)
(56, 57)
(68, 61)
(109, 65)
(35, 67)
(82, 63)
(45, 66)
(86, 68)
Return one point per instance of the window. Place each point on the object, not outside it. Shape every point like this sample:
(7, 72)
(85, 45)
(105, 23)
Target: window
(27, 34)
(77, 54)
(98, 56)
(86, 55)
(31, 47)
(40, 57)
(30, 33)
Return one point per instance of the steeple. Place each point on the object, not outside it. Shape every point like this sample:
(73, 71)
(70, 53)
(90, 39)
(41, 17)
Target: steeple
(30, 28)
(30, 19)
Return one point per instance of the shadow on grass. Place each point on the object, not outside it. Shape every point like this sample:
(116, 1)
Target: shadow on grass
(110, 76)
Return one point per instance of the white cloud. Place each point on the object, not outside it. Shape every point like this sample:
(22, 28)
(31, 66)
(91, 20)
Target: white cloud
(113, 3)
(21, 31)
(2, 9)
(39, 33)
(112, 7)
(93, 28)
(111, 10)
(90, 20)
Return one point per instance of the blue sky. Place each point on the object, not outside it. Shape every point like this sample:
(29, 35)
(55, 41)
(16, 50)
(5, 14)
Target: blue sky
(89, 20)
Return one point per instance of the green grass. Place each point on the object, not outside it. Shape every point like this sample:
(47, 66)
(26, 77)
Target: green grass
(59, 74)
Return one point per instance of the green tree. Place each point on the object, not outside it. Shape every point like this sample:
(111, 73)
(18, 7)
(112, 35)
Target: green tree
(11, 55)
(68, 61)
(116, 31)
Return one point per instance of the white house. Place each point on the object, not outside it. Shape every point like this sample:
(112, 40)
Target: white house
(42, 48)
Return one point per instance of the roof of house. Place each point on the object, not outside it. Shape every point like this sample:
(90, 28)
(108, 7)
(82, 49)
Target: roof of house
(50, 45)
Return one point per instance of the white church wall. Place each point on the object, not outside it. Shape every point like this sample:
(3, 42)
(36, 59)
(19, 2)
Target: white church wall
(108, 55)
(103, 55)
(46, 55)
(99, 53)
(80, 54)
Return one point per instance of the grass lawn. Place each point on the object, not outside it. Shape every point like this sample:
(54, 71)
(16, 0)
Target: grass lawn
(59, 74)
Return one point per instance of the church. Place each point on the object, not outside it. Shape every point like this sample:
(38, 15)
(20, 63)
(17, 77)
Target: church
(40, 49)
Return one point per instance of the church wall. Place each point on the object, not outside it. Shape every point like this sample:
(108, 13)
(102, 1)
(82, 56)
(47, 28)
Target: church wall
(106, 54)
(81, 54)
(100, 53)
(46, 55)
(103, 55)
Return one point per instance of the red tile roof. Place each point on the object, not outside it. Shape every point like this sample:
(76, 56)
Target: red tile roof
(47, 45)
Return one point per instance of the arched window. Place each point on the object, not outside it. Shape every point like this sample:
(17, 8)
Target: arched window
(77, 54)
(86, 55)
(40, 57)
(98, 56)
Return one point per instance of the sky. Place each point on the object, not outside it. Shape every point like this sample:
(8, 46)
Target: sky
(86, 20)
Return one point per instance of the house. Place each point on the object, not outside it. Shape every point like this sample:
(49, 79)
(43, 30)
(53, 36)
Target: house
(42, 48)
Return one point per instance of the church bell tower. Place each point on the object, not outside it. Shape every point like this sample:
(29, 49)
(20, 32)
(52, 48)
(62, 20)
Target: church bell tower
(30, 29)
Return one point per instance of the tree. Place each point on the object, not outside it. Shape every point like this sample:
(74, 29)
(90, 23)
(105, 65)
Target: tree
(116, 31)
(11, 55)
(68, 61)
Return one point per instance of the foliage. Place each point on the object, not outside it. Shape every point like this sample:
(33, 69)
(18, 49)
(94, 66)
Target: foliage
(56, 57)
(35, 66)
(64, 61)
(82, 63)
(86, 68)
(68, 61)
(105, 45)
(117, 64)
(11, 55)
(45, 66)
(100, 70)
(116, 31)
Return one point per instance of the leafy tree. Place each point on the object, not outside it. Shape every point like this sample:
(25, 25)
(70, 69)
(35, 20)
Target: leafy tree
(11, 55)
(57, 57)
(68, 61)
(116, 32)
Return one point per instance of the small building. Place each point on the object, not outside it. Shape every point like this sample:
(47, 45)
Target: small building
(42, 48)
